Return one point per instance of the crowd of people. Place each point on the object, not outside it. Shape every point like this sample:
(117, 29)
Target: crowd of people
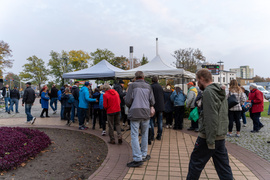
(142, 106)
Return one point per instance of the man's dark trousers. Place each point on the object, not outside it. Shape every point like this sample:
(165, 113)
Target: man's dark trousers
(201, 155)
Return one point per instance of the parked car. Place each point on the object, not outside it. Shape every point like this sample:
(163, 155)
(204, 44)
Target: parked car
(259, 88)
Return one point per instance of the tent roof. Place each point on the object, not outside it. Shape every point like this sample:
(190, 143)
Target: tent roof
(101, 70)
(155, 67)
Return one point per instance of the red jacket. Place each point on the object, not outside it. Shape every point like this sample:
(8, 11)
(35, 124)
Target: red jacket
(256, 98)
(111, 101)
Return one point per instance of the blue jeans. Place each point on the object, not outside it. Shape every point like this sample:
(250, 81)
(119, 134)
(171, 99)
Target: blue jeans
(28, 111)
(62, 111)
(12, 102)
(159, 116)
(137, 151)
(7, 99)
(73, 113)
(54, 101)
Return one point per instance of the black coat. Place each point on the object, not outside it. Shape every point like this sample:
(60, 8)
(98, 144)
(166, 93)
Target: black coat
(118, 88)
(29, 96)
(53, 93)
(159, 97)
(75, 92)
(4, 91)
(14, 94)
(168, 103)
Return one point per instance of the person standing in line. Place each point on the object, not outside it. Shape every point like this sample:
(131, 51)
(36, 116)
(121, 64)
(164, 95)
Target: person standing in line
(191, 97)
(67, 100)
(75, 92)
(89, 114)
(103, 111)
(111, 103)
(236, 111)
(140, 100)
(59, 94)
(14, 96)
(6, 95)
(97, 112)
(119, 89)
(213, 122)
(168, 106)
(84, 100)
(243, 114)
(29, 99)
(256, 98)
(159, 107)
(54, 98)
(178, 98)
(45, 102)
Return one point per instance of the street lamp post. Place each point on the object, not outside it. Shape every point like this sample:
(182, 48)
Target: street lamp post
(220, 62)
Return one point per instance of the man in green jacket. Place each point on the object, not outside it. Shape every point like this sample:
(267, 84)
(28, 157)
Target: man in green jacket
(213, 124)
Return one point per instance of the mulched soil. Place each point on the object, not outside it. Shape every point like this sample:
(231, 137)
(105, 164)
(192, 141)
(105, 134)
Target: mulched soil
(72, 155)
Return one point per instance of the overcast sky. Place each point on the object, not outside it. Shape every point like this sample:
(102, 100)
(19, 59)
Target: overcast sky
(236, 32)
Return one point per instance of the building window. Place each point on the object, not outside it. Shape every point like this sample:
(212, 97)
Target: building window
(224, 79)
(218, 79)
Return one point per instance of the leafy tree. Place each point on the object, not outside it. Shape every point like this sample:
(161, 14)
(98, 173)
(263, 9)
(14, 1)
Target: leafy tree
(258, 79)
(100, 55)
(59, 64)
(34, 71)
(188, 58)
(144, 60)
(120, 62)
(5, 55)
(78, 59)
(12, 80)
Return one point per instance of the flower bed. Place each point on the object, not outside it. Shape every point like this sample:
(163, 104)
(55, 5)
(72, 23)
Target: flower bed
(18, 144)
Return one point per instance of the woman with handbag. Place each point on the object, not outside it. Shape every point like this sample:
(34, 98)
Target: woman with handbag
(235, 111)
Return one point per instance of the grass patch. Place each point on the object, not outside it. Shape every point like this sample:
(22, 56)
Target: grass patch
(265, 110)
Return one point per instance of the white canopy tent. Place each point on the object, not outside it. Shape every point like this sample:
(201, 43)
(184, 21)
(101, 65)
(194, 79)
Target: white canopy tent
(156, 67)
(102, 70)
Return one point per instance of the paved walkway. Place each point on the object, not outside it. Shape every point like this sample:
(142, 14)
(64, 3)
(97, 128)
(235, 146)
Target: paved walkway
(169, 157)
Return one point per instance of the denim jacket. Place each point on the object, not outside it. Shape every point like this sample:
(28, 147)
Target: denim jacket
(178, 99)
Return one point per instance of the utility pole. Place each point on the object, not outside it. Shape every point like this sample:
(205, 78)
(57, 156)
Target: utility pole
(220, 62)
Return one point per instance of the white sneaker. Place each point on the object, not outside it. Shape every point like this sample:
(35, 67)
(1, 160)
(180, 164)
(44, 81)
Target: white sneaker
(123, 124)
(27, 122)
(87, 123)
(33, 120)
(54, 112)
(244, 125)
(170, 126)
(167, 126)
(103, 133)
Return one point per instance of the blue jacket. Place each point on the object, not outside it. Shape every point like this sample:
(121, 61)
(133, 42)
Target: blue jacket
(45, 100)
(178, 99)
(84, 98)
(101, 100)
(96, 95)
(167, 101)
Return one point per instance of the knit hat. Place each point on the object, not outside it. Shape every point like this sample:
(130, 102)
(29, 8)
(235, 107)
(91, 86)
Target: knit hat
(253, 85)
(86, 83)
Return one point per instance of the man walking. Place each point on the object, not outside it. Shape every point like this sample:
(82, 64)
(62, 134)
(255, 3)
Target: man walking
(29, 99)
(75, 92)
(84, 104)
(14, 99)
(119, 89)
(159, 108)
(54, 97)
(6, 95)
(213, 128)
(190, 103)
(139, 100)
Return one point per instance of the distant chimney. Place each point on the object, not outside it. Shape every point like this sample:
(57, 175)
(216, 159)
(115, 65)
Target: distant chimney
(156, 46)
(131, 56)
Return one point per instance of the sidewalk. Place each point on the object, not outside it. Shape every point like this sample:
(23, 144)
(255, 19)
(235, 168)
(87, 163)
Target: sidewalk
(169, 157)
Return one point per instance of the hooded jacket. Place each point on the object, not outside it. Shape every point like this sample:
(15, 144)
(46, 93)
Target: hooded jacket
(167, 101)
(75, 92)
(191, 97)
(111, 101)
(213, 121)
(84, 98)
(178, 99)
